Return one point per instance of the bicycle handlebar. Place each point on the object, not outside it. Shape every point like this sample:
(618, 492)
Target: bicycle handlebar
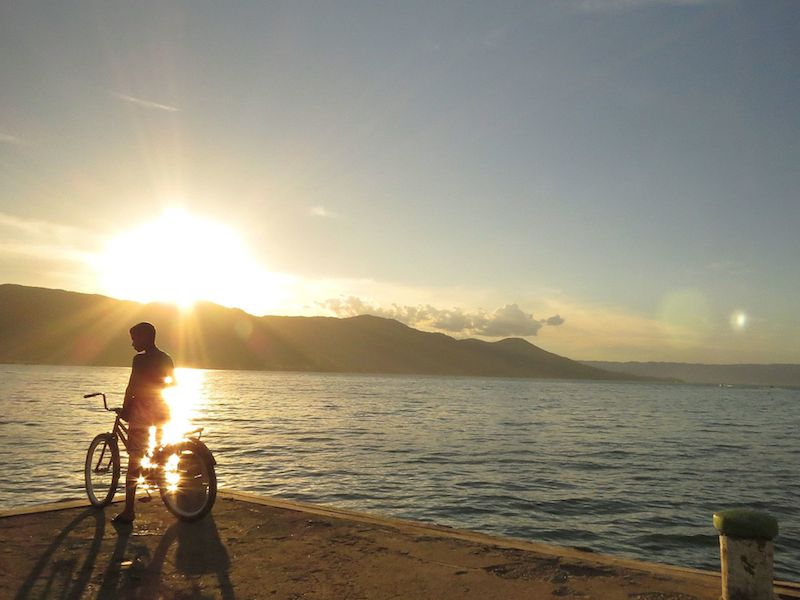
(94, 394)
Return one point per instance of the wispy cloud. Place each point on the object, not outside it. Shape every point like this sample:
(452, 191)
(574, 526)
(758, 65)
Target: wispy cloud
(41, 239)
(144, 103)
(6, 138)
(508, 320)
(730, 268)
(616, 5)
(35, 227)
(322, 212)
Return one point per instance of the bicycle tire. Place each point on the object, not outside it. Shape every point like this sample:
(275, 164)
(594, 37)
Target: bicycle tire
(193, 496)
(101, 470)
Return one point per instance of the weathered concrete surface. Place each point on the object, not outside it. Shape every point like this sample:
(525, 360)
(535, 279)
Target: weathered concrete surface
(253, 547)
(747, 568)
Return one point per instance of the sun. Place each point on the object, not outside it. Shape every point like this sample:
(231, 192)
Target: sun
(182, 258)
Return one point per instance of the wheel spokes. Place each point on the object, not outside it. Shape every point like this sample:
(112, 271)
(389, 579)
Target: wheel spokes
(99, 468)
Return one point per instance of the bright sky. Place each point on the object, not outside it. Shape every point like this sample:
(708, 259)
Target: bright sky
(611, 179)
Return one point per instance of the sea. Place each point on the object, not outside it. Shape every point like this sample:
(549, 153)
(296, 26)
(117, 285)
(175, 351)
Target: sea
(629, 469)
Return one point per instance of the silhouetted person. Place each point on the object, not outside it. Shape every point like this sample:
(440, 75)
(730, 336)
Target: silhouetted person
(144, 405)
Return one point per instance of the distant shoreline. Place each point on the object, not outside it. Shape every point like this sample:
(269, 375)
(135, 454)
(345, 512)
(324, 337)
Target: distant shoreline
(762, 375)
(433, 375)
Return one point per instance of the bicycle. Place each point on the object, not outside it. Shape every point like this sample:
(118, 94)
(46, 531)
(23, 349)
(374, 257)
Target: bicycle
(183, 472)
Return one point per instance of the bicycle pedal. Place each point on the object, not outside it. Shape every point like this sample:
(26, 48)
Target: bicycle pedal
(147, 498)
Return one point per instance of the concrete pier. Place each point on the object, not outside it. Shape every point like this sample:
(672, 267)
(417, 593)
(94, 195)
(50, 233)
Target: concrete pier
(746, 553)
(256, 547)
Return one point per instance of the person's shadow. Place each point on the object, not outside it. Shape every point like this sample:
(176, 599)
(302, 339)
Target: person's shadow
(65, 568)
(53, 577)
(200, 551)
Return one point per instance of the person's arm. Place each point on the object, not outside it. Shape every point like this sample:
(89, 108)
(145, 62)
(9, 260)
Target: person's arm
(127, 403)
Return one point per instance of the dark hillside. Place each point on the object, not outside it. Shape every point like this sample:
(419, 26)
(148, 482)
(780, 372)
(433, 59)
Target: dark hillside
(47, 326)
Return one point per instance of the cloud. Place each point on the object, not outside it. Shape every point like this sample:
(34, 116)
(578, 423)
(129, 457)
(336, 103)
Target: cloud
(41, 239)
(555, 320)
(726, 267)
(454, 321)
(616, 5)
(322, 212)
(6, 138)
(509, 320)
(42, 253)
(36, 228)
(145, 103)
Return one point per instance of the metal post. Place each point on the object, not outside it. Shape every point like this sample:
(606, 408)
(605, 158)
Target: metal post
(746, 553)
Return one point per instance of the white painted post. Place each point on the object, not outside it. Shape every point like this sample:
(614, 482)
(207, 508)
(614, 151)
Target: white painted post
(746, 553)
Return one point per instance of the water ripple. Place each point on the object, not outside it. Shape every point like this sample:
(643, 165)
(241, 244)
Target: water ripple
(629, 469)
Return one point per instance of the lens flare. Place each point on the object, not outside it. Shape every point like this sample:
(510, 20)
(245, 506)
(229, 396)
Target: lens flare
(739, 320)
(686, 318)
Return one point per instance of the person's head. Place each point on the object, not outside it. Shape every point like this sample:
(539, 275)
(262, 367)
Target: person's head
(143, 336)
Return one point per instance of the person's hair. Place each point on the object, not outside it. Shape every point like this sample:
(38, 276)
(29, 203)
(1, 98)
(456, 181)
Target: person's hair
(146, 330)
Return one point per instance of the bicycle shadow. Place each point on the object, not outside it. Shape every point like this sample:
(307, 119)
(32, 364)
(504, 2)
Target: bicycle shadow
(54, 575)
(199, 552)
(65, 568)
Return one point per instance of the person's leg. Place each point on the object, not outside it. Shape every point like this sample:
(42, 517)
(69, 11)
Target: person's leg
(137, 446)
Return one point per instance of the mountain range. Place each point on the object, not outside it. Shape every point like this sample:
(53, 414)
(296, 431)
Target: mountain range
(47, 326)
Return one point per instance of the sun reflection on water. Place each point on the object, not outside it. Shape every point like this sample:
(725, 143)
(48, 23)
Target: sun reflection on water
(184, 400)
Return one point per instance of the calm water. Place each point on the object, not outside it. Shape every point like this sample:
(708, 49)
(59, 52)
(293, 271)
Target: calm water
(628, 469)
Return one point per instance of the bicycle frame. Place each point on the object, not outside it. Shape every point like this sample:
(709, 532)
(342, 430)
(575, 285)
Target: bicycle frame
(120, 432)
(182, 469)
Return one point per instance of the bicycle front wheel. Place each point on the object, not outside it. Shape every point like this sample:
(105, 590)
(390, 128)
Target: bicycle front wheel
(101, 471)
(188, 485)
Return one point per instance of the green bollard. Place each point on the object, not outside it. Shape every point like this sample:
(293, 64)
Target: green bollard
(746, 553)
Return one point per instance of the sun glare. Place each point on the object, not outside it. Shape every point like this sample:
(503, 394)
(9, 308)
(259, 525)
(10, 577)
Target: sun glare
(739, 320)
(181, 258)
(184, 399)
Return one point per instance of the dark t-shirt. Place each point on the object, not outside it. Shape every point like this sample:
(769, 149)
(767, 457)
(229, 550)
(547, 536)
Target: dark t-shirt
(144, 404)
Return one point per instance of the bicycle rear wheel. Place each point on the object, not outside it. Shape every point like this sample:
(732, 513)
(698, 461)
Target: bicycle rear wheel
(101, 471)
(188, 484)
